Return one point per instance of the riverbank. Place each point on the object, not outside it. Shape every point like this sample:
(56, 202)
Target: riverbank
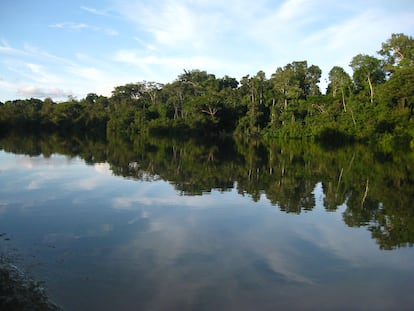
(19, 292)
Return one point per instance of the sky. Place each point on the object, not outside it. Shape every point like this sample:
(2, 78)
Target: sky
(62, 49)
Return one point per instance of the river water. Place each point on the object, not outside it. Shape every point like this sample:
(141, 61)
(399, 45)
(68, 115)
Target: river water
(170, 226)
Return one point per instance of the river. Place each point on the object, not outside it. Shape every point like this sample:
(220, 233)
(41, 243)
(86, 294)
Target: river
(183, 225)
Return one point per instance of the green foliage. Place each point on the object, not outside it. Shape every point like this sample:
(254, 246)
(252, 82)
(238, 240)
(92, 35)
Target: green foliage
(398, 52)
(369, 107)
(368, 72)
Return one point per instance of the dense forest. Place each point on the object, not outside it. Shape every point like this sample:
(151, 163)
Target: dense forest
(375, 104)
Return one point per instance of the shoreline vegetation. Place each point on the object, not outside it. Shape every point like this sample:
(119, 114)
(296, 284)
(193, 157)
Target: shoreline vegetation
(375, 105)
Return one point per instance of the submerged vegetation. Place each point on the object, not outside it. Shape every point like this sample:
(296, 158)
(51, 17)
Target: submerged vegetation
(376, 104)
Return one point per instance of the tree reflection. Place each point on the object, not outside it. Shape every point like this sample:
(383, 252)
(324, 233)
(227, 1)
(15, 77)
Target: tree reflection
(375, 188)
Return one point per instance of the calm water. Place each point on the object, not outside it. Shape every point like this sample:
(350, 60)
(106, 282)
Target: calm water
(162, 225)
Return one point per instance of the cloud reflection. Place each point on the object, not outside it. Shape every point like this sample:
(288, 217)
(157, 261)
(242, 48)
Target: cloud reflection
(147, 243)
(103, 168)
(171, 199)
(91, 181)
(202, 252)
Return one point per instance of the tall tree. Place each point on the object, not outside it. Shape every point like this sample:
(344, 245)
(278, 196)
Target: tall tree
(129, 91)
(287, 84)
(339, 81)
(399, 89)
(313, 76)
(398, 51)
(300, 69)
(152, 89)
(254, 89)
(367, 69)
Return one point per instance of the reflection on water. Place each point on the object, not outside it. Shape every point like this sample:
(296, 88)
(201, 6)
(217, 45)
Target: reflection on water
(191, 226)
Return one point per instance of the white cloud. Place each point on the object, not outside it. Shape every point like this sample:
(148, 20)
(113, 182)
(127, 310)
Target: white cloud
(88, 73)
(32, 68)
(7, 49)
(106, 89)
(94, 11)
(42, 74)
(99, 79)
(39, 92)
(39, 73)
(69, 25)
(176, 24)
(338, 43)
(236, 37)
(165, 69)
(144, 44)
(33, 52)
(5, 84)
(293, 10)
(133, 57)
(83, 26)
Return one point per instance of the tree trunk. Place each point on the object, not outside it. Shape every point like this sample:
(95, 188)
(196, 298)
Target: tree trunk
(371, 88)
(365, 194)
(175, 110)
(334, 89)
(211, 112)
(343, 99)
(273, 113)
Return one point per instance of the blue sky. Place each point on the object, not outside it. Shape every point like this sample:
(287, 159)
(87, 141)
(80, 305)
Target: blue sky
(57, 49)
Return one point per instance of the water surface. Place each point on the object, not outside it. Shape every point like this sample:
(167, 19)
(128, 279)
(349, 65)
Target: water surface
(186, 226)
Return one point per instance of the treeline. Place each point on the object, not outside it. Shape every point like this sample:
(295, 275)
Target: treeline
(375, 104)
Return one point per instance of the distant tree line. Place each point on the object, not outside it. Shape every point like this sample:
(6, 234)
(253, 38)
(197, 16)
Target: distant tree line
(375, 104)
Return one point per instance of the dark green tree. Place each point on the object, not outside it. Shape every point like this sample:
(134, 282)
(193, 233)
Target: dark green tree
(367, 70)
(339, 82)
